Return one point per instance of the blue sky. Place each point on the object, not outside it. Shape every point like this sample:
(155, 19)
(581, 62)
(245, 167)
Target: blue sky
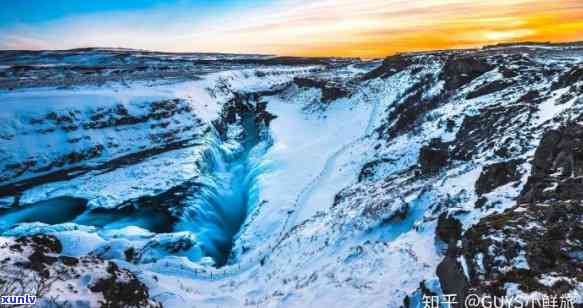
(21, 11)
(33, 12)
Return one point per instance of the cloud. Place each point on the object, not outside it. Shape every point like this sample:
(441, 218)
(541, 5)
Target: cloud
(22, 42)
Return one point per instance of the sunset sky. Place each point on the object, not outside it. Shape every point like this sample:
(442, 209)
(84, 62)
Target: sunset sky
(361, 28)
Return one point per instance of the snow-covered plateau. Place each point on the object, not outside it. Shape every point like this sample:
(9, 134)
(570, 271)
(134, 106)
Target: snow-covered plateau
(142, 179)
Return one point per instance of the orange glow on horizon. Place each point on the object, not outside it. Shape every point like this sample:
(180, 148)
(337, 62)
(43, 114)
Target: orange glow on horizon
(551, 22)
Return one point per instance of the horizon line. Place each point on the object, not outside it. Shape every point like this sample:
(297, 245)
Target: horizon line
(420, 51)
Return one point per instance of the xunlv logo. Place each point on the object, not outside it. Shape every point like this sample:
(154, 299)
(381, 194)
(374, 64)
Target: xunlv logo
(17, 300)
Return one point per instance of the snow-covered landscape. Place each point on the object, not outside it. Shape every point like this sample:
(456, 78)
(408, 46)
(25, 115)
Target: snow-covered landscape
(142, 179)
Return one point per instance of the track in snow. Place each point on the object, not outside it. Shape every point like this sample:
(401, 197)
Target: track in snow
(329, 165)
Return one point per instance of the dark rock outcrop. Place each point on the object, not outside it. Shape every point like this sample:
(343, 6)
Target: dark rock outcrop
(415, 299)
(369, 169)
(550, 246)
(489, 88)
(451, 276)
(331, 90)
(433, 157)
(557, 167)
(247, 110)
(119, 291)
(391, 65)
(481, 132)
(458, 71)
(496, 175)
(411, 109)
(34, 263)
(541, 236)
(571, 77)
(449, 271)
(262, 115)
(449, 229)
